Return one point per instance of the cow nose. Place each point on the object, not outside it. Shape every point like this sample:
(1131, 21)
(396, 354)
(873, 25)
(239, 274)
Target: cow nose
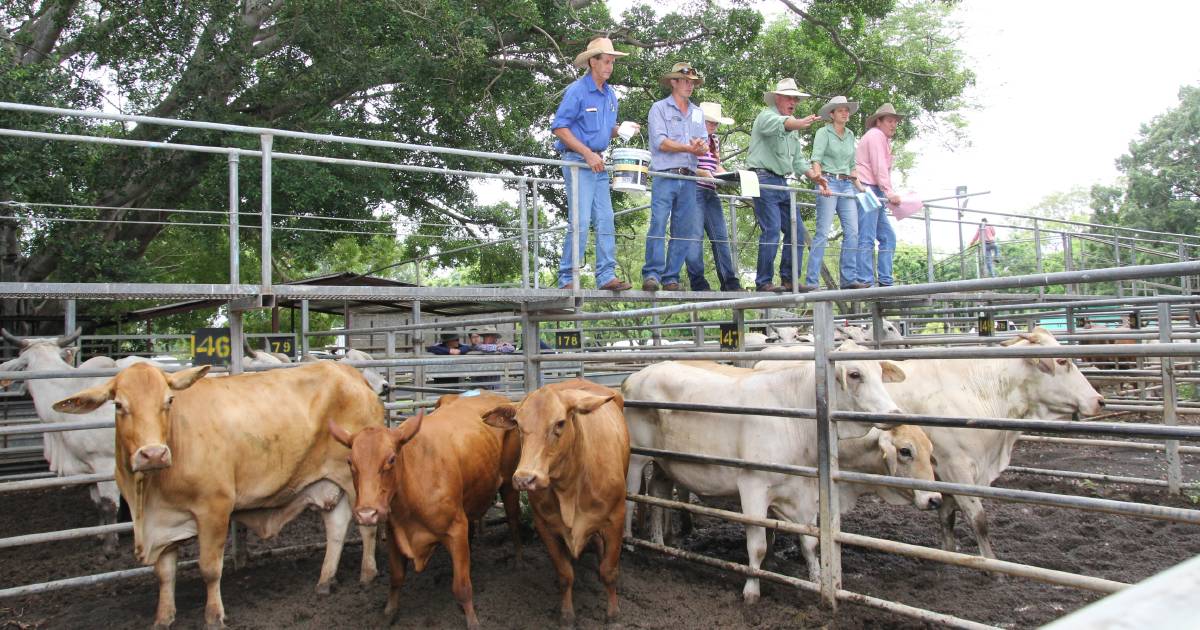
(151, 457)
(524, 480)
(1100, 402)
(384, 389)
(367, 516)
(934, 502)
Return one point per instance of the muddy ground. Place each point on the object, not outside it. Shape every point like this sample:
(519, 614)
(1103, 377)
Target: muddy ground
(655, 592)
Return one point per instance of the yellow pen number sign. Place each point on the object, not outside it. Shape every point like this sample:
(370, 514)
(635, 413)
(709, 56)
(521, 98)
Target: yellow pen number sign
(567, 339)
(986, 325)
(210, 346)
(282, 344)
(731, 336)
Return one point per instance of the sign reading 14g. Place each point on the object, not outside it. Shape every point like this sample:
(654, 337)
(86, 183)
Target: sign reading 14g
(210, 346)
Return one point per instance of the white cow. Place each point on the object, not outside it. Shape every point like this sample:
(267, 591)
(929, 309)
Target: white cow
(71, 452)
(859, 387)
(1000, 388)
(373, 376)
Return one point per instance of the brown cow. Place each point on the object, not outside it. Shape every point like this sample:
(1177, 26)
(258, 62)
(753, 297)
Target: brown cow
(192, 453)
(430, 477)
(574, 454)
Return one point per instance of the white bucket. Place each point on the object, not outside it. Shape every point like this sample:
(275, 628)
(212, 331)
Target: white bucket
(630, 170)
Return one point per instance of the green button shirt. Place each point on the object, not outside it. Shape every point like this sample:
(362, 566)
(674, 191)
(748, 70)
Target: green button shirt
(774, 148)
(835, 154)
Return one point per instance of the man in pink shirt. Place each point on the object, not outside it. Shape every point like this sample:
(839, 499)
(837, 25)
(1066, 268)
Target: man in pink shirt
(873, 162)
(991, 249)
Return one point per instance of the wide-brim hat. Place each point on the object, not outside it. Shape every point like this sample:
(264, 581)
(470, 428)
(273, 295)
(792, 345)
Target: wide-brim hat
(826, 112)
(483, 332)
(450, 336)
(681, 70)
(785, 87)
(884, 110)
(712, 113)
(598, 46)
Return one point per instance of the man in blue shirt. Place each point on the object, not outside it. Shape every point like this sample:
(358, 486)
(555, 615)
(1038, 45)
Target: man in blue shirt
(585, 122)
(677, 139)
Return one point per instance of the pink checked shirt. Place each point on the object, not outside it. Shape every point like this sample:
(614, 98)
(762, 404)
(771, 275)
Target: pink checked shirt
(873, 160)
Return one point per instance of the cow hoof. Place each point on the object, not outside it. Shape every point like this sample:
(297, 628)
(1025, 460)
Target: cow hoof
(214, 625)
(164, 625)
(366, 577)
(323, 589)
(750, 598)
(566, 621)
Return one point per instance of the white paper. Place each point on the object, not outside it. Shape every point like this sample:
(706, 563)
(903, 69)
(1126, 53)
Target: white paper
(749, 181)
(627, 129)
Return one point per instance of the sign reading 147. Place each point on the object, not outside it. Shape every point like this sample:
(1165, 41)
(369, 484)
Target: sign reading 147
(210, 346)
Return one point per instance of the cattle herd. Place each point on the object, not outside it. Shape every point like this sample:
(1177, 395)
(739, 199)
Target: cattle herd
(192, 453)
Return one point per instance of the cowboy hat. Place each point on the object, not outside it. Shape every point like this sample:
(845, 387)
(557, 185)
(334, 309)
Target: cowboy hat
(712, 113)
(450, 336)
(826, 112)
(884, 110)
(598, 46)
(785, 87)
(681, 70)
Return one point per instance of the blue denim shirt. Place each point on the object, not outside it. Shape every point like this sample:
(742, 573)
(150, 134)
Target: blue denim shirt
(668, 122)
(589, 112)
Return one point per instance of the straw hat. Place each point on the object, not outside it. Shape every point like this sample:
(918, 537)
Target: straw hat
(884, 110)
(826, 112)
(598, 46)
(681, 70)
(785, 87)
(712, 113)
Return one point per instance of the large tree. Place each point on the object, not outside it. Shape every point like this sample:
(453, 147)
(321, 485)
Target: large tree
(481, 75)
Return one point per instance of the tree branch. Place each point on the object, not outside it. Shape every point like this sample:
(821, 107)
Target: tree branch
(837, 41)
(43, 31)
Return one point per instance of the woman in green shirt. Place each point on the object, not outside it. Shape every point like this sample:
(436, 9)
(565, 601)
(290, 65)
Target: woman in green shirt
(833, 157)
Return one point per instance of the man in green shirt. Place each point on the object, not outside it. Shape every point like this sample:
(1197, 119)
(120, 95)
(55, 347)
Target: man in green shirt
(775, 153)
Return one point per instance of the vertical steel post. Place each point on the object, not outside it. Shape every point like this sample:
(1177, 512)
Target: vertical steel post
(237, 538)
(524, 235)
(928, 245)
(962, 249)
(1037, 250)
(68, 316)
(235, 252)
(576, 280)
(537, 239)
(656, 333)
(1185, 282)
(739, 321)
(1117, 262)
(267, 141)
(304, 327)
(876, 325)
(390, 373)
(529, 349)
(796, 271)
(418, 346)
(1174, 473)
(1069, 260)
(827, 456)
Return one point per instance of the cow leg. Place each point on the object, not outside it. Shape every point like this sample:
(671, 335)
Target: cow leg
(369, 535)
(633, 485)
(609, 549)
(212, 529)
(972, 509)
(661, 486)
(108, 501)
(164, 568)
(755, 504)
(561, 558)
(459, 546)
(808, 547)
(397, 564)
(337, 521)
(511, 498)
(946, 517)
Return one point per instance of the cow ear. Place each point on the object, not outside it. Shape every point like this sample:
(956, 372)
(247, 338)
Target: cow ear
(888, 451)
(502, 417)
(1044, 365)
(409, 428)
(186, 378)
(445, 400)
(892, 372)
(584, 402)
(87, 400)
(341, 435)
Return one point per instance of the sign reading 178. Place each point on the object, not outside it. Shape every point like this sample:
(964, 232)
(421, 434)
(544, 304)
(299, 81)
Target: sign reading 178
(210, 346)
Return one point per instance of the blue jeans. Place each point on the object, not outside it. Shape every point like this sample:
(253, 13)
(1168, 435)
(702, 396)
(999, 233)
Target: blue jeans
(847, 211)
(991, 251)
(674, 200)
(710, 208)
(874, 225)
(772, 209)
(597, 213)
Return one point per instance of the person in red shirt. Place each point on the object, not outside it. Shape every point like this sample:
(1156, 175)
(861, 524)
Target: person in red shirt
(991, 249)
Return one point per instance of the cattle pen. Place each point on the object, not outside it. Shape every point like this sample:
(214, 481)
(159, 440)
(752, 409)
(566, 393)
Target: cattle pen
(1161, 294)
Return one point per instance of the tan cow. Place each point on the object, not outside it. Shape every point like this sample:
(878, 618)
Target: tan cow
(430, 477)
(574, 454)
(192, 453)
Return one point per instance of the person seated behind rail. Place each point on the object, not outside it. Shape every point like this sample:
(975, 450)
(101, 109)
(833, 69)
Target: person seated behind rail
(491, 344)
(450, 344)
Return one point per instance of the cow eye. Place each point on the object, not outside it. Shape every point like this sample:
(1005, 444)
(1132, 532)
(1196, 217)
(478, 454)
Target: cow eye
(1061, 361)
(560, 425)
(119, 407)
(905, 452)
(391, 461)
(855, 374)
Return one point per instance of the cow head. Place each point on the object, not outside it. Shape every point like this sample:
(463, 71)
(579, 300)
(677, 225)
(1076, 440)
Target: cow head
(377, 381)
(141, 395)
(907, 452)
(1055, 386)
(40, 352)
(548, 420)
(373, 455)
(860, 387)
